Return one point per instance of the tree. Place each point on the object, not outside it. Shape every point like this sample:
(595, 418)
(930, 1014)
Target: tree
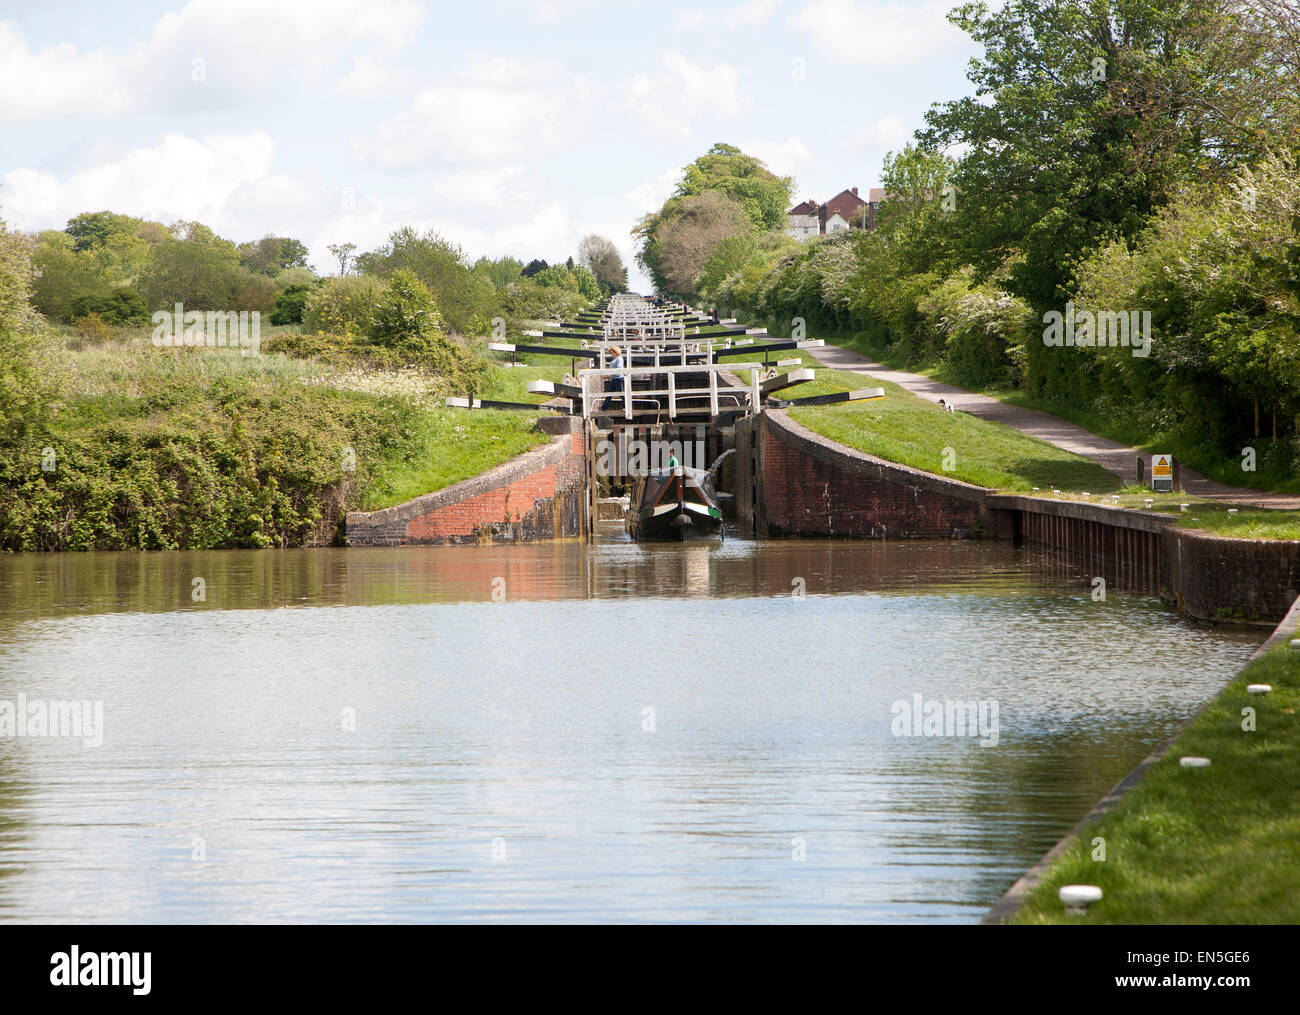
(556, 276)
(682, 243)
(92, 229)
(743, 178)
(203, 275)
(676, 241)
(273, 254)
(500, 272)
(121, 306)
(1088, 115)
(587, 284)
(343, 251)
(405, 313)
(289, 304)
(533, 267)
(464, 297)
(604, 261)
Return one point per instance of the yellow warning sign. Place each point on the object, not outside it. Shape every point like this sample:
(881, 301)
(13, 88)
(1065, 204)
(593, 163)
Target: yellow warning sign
(1162, 473)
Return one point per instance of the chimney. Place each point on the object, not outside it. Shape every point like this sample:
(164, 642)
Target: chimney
(855, 191)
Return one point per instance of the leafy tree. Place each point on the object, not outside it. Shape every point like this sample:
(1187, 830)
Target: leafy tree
(464, 296)
(556, 276)
(343, 251)
(90, 230)
(587, 284)
(676, 247)
(122, 306)
(289, 304)
(405, 313)
(744, 179)
(273, 254)
(605, 262)
(203, 272)
(722, 193)
(344, 305)
(533, 267)
(500, 272)
(1086, 116)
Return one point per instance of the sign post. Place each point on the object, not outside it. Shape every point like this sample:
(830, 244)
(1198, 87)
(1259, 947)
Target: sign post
(1162, 473)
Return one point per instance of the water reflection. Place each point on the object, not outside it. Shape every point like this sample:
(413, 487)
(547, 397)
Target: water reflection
(632, 733)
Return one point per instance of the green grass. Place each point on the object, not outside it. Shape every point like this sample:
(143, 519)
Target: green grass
(200, 448)
(1126, 427)
(913, 431)
(1208, 845)
(447, 447)
(1209, 515)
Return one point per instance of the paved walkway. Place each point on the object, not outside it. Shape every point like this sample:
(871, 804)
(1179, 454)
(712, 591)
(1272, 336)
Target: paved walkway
(1114, 457)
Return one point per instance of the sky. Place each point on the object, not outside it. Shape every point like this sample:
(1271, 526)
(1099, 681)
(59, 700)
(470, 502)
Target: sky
(510, 126)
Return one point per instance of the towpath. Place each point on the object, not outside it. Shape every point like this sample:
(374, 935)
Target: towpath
(1110, 455)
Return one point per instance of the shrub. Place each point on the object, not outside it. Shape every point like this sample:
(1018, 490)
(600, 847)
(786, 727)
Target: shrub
(290, 303)
(93, 328)
(343, 306)
(121, 306)
(406, 313)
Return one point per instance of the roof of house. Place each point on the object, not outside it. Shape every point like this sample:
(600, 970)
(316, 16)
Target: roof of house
(804, 208)
(845, 203)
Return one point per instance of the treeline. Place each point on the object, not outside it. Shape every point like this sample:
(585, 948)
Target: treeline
(118, 269)
(1114, 158)
(109, 443)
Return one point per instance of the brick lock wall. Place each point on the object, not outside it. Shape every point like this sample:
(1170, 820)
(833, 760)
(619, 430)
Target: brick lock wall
(539, 495)
(1216, 578)
(810, 486)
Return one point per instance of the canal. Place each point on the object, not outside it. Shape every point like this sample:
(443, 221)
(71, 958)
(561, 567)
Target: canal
(564, 732)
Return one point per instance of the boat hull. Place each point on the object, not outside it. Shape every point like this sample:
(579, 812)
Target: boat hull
(675, 505)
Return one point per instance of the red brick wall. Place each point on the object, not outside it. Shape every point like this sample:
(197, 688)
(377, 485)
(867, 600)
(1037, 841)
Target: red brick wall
(810, 486)
(539, 495)
(1217, 578)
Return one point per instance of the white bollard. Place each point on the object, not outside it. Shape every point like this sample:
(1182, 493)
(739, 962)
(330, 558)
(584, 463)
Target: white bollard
(1078, 898)
(1194, 762)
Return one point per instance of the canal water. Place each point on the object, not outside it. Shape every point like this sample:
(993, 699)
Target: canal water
(559, 732)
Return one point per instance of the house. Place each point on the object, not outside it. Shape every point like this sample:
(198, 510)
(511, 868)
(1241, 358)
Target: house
(802, 221)
(846, 210)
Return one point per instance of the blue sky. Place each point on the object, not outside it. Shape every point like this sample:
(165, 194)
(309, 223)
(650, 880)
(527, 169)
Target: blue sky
(511, 126)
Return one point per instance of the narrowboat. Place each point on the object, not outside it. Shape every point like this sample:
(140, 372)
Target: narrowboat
(678, 504)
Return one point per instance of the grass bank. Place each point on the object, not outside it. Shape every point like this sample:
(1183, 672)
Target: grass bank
(138, 447)
(1201, 845)
(1118, 423)
(913, 431)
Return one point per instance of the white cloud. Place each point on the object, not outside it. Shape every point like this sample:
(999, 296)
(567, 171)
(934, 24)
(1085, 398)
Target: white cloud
(751, 14)
(180, 177)
(651, 194)
(669, 101)
(888, 34)
(551, 12)
(225, 181)
(497, 108)
(782, 157)
(373, 75)
(889, 133)
(208, 54)
(470, 123)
